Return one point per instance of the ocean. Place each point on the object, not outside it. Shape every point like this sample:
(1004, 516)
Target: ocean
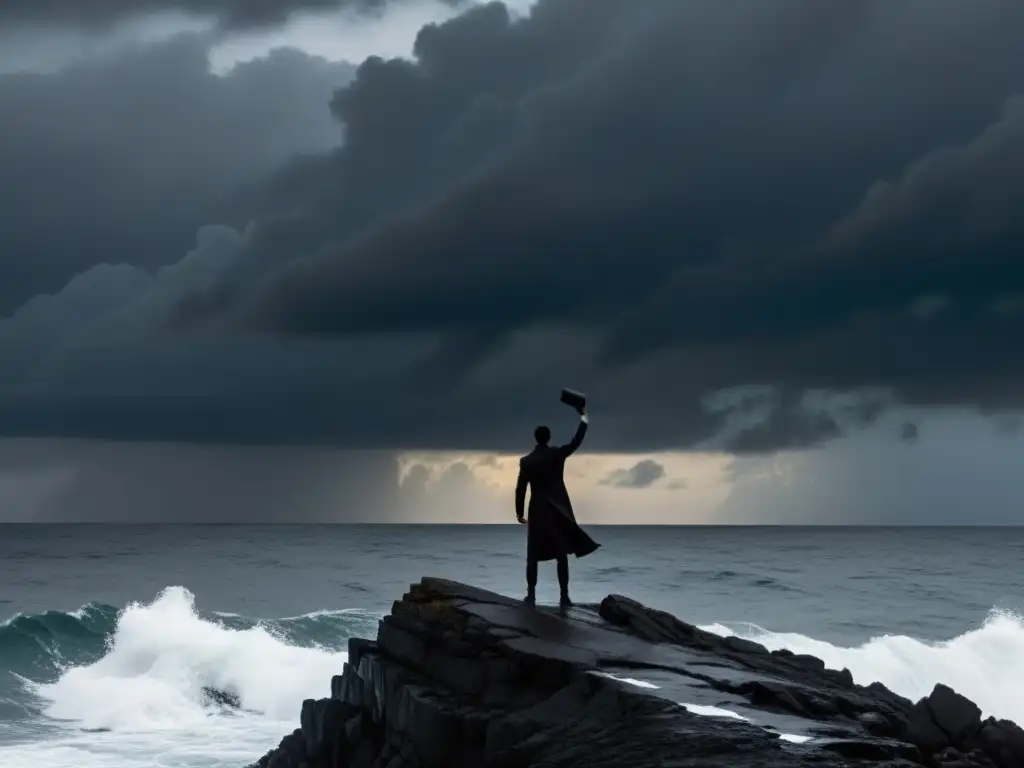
(111, 637)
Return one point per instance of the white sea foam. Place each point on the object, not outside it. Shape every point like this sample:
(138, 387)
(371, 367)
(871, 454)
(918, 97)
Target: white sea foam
(985, 664)
(706, 711)
(321, 614)
(146, 693)
(795, 738)
(144, 702)
(629, 680)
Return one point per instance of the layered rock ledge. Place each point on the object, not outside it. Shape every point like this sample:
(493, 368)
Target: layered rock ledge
(459, 677)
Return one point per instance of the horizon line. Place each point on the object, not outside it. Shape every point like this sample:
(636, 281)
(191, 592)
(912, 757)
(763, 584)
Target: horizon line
(425, 524)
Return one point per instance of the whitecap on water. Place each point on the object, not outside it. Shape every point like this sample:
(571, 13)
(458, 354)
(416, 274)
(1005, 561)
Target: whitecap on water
(146, 701)
(985, 664)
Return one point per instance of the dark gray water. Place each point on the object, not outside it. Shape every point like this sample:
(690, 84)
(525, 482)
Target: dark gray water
(838, 584)
(827, 591)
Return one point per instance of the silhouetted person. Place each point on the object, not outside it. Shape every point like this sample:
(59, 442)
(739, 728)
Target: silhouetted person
(553, 531)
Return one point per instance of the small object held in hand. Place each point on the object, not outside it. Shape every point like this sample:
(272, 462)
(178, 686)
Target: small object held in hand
(574, 399)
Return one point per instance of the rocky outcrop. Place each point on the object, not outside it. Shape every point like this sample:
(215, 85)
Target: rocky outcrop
(461, 677)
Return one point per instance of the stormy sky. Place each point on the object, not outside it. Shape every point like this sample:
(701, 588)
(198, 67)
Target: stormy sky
(333, 259)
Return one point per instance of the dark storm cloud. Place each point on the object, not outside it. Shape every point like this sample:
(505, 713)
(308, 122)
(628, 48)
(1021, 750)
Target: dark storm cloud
(626, 161)
(652, 202)
(229, 14)
(784, 429)
(122, 159)
(643, 474)
(752, 234)
(902, 290)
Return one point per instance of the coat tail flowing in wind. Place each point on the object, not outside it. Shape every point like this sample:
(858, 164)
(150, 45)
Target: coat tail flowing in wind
(553, 530)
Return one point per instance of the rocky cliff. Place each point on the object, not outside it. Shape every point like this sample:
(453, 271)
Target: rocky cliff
(460, 677)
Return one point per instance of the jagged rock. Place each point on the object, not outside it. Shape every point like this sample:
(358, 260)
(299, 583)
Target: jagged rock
(461, 677)
(943, 719)
(221, 698)
(1002, 741)
(955, 714)
(952, 758)
(924, 731)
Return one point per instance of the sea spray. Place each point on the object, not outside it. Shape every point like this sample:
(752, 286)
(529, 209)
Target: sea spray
(985, 664)
(161, 657)
(145, 700)
(136, 678)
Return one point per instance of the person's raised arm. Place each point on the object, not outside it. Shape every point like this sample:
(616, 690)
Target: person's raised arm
(521, 494)
(577, 439)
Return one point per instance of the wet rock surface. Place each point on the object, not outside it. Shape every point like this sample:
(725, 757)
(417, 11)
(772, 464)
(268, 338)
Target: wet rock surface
(459, 676)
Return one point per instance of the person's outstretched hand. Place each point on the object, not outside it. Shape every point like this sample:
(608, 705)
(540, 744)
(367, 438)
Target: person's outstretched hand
(522, 520)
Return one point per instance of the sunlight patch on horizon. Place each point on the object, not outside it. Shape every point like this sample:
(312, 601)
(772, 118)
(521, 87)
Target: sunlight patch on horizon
(705, 483)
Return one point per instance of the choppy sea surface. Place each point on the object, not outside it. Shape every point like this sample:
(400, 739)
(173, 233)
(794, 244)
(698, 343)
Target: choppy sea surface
(111, 637)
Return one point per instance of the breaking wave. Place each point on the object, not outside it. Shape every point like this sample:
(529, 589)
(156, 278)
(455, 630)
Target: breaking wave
(159, 680)
(985, 664)
(160, 683)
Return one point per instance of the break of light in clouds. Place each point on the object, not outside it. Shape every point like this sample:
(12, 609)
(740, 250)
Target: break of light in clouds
(51, 481)
(863, 478)
(693, 487)
(346, 35)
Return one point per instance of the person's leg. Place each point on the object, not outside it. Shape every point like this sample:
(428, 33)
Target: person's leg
(563, 579)
(531, 580)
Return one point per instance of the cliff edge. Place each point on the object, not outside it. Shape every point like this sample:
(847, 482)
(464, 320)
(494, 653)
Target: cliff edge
(459, 677)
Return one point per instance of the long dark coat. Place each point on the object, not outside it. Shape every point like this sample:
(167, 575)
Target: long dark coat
(553, 530)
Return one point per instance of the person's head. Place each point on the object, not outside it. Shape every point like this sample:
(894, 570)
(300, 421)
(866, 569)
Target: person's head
(542, 435)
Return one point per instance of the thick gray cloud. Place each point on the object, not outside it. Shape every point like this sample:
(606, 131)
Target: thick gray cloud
(653, 202)
(121, 159)
(751, 236)
(643, 474)
(53, 480)
(956, 472)
(636, 183)
(70, 481)
(229, 14)
(454, 496)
